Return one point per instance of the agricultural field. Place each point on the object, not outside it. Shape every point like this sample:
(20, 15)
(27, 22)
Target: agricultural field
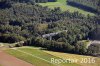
(79, 57)
(62, 4)
(43, 57)
(36, 57)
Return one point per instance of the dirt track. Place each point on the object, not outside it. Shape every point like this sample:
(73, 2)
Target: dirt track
(8, 60)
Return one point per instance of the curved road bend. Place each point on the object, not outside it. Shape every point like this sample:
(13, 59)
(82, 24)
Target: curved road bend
(93, 42)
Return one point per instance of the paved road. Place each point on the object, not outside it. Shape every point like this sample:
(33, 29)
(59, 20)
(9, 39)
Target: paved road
(53, 34)
(93, 42)
(8, 60)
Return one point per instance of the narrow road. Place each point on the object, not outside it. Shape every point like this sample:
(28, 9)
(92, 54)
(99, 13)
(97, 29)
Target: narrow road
(53, 34)
(93, 42)
(8, 60)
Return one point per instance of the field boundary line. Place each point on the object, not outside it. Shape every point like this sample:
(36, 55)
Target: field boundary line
(34, 56)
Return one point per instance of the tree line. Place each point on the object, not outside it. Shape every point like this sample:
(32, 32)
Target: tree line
(89, 5)
(22, 1)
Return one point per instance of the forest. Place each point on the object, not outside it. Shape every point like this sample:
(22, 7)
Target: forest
(37, 1)
(28, 21)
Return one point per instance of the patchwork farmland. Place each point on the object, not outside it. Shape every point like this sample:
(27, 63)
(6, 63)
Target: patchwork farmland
(43, 57)
(49, 33)
(34, 55)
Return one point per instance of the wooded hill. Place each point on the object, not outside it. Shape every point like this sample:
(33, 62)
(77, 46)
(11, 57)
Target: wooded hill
(28, 21)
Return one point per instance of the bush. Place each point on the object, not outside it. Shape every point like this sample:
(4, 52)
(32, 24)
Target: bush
(11, 38)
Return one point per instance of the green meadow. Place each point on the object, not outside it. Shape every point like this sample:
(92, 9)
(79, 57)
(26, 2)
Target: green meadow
(64, 7)
(36, 57)
(39, 57)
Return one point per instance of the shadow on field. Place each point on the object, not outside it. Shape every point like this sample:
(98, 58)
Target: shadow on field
(83, 7)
